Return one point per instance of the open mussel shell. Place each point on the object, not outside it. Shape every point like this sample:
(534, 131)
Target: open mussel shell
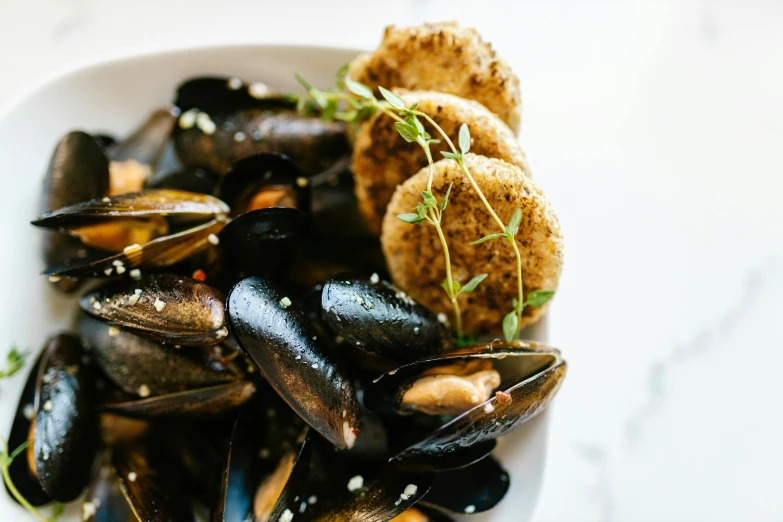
(142, 366)
(172, 309)
(147, 143)
(153, 490)
(264, 180)
(530, 373)
(78, 171)
(19, 470)
(473, 489)
(161, 252)
(190, 179)
(261, 243)
(266, 441)
(197, 403)
(178, 205)
(381, 319)
(276, 334)
(66, 430)
(220, 126)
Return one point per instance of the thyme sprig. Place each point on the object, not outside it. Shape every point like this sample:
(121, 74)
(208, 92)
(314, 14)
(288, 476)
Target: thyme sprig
(352, 102)
(6, 459)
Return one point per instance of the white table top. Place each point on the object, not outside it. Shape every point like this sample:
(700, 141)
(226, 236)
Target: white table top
(656, 130)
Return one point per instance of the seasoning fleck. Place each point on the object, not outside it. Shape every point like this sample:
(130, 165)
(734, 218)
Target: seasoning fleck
(356, 483)
(409, 491)
(159, 305)
(470, 509)
(144, 391)
(132, 476)
(302, 182)
(285, 302)
(213, 239)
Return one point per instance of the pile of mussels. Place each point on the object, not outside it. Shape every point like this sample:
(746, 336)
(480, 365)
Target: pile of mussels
(239, 355)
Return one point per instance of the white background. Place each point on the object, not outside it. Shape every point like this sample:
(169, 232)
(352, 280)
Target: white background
(656, 128)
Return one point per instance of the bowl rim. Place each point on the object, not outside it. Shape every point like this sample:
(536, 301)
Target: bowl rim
(127, 54)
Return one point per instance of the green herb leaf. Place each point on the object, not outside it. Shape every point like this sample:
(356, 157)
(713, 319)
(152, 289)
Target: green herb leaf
(408, 132)
(17, 451)
(510, 324)
(342, 73)
(445, 286)
(413, 107)
(413, 219)
(320, 99)
(538, 298)
(515, 303)
(57, 511)
(304, 83)
(473, 283)
(455, 285)
(487, 238)
(450, 155)
(464, 139)
(360, 90)
(414, 120)
(394, 100)
(14, 362)
(429, 199)
(513, 225)
(446, 197)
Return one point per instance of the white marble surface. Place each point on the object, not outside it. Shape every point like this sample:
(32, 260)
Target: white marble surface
(656, 128)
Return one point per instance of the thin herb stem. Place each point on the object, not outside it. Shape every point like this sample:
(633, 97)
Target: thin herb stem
(453, 295)
(12, 488)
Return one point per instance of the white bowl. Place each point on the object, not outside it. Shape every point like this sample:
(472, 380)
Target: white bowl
(114, 95)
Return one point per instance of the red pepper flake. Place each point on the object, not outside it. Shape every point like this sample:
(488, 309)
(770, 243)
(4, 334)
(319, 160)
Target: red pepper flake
(503, 397)
(200, 275)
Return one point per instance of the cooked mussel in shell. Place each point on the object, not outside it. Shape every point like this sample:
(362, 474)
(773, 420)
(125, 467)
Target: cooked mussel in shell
(220, 125)
(169, 308)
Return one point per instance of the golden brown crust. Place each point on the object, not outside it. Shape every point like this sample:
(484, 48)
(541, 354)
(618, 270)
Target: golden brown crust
(443, 57)
(382, 159)
(415, 258)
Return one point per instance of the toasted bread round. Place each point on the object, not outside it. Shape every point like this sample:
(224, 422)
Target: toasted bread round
(382, 159)
(415, 257)
(443, 57)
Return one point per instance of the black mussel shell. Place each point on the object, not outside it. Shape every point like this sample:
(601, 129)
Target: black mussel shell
(278, 337)
(104, 501)
(388, 495)
(66, 429)
(78, 171)
(19, 470)
(531, 375)
(161, 252)
(473, 489)
(151, 486)
(264, 180)
(142, 366)
(458, 459)
(191, 179)
(182, 205)
(261, 243)
(147, 143)
(381, 319)
(196, 403)
(215, 94)
(169, 308)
